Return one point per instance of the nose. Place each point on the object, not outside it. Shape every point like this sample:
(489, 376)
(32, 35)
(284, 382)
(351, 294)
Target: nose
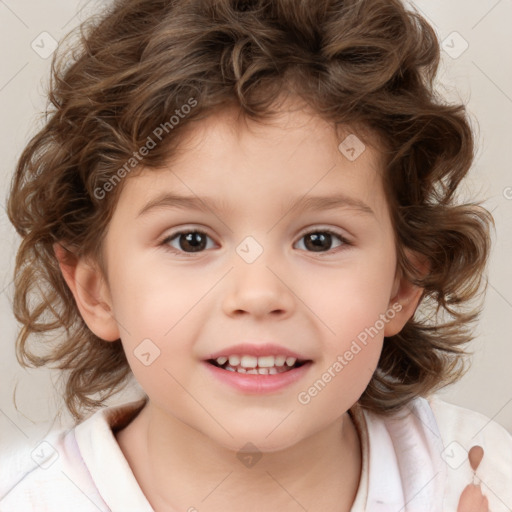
(258, 289)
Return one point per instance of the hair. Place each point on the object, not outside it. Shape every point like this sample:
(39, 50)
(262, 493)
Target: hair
(367, 63)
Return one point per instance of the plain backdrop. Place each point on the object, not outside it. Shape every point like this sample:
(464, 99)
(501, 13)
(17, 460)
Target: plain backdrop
(476, 70)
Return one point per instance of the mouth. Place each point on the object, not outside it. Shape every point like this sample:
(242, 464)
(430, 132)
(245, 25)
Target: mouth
(257, 365)
(257, 368)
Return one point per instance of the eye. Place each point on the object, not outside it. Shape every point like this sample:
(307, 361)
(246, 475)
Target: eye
(188, 241)
(322, 240)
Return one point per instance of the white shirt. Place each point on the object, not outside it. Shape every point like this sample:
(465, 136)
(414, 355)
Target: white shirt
(414, 461)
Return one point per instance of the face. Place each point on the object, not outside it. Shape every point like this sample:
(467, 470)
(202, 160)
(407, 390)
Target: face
(254, 310)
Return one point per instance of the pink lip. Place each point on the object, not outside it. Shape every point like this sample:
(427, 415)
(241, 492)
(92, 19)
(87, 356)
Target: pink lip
(258, 384)
(249, 349)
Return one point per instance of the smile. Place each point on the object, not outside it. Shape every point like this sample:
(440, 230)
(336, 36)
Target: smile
(262, 365)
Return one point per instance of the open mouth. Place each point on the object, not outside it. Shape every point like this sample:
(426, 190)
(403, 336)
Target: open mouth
(262, 365)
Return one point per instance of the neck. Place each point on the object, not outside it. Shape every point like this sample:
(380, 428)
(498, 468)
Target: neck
(180, 468)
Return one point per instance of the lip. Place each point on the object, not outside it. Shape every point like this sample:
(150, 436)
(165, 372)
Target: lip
(258, 384)
(251, 349)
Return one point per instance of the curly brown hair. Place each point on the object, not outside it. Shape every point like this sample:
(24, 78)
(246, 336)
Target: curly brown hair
(367, 63)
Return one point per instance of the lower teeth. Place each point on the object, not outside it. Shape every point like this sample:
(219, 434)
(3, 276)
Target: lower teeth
(261, 371)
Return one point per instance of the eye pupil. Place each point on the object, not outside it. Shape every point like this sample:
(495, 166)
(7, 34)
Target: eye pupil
(320, 241)
(195, 240)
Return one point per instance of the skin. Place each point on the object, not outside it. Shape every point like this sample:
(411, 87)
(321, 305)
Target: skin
(473, 500)
(184, 442)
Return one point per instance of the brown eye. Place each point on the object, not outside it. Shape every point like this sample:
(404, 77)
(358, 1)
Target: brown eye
(188, 241)
(321, 241)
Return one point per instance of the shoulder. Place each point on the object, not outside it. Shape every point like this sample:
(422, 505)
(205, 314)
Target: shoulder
(461, 424)
(48, 476)
(460, 430)
(82, 469)
(420, 455)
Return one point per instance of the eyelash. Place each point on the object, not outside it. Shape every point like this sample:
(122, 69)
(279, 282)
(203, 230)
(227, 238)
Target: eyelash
(165, 242)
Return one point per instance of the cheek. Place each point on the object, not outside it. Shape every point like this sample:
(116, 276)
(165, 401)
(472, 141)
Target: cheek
(340, 384)
(349, 359)
(352, 298)
(159, 323)
(353, 308)
(152, 302)
(160, 312)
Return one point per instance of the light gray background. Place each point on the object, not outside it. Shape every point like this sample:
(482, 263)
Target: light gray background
(480, 76)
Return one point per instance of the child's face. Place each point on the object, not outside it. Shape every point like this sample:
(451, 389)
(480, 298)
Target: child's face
(193, 305)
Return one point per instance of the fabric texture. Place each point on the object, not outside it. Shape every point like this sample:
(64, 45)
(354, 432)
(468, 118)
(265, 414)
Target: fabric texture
(413, 461)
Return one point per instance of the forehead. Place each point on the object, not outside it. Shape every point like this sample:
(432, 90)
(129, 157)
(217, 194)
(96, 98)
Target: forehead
(295, 126)
(295, 154)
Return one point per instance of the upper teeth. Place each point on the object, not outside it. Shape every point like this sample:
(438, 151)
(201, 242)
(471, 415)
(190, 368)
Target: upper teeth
(253, 361)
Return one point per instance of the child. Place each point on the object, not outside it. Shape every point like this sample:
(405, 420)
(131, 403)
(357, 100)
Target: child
(172, 214)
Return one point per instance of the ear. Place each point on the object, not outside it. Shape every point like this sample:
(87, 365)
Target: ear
(91, 293)
(405, 296)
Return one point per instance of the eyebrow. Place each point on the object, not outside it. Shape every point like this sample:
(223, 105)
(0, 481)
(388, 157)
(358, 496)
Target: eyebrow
(208, 204)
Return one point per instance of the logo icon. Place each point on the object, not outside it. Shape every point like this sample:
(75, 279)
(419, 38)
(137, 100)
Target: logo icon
(249, 455)
(454, 455)
(352, 147)
(455, 45)
(146, 352)
(44, 45)
(249, 249)
(44, 454)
